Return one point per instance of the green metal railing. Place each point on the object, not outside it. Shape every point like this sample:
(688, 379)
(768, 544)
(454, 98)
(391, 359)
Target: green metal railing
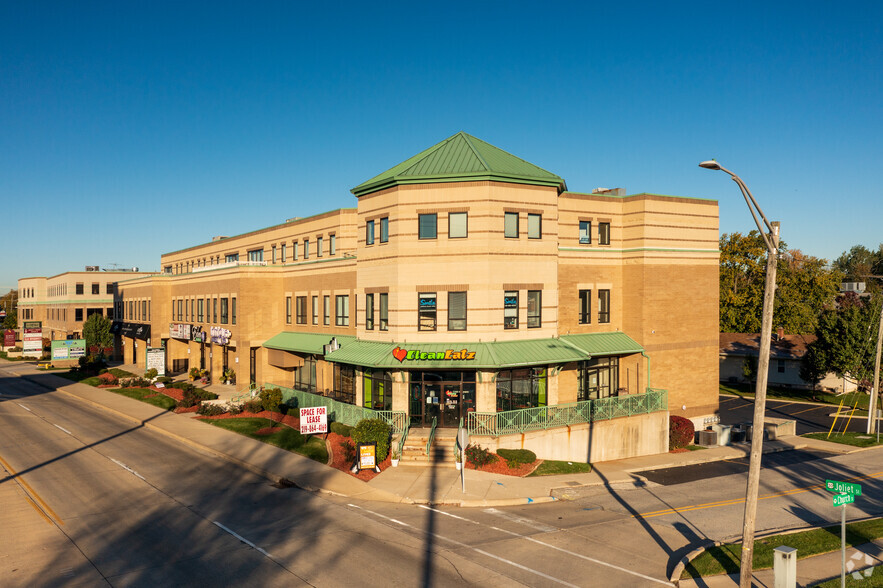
(431, 434)
(512, 422)
(341, 412)
(402, 440)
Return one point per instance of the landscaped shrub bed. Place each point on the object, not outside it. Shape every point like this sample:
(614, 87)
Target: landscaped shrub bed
(680, 432)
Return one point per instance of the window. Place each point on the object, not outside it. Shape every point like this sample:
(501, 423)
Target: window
(231, 257)
(305, 376)
(233, 311)
(109, 313)
(319, 247)
(225, 310)
(301, 310)
(426, 311)
(377, 390)
(342, 319)
(274, 254)
(200, 310)
(326, 315)
(315, 310)
(96, 288)
(604, 233)
(79, 289)
(78, 314)
(603, 306)
(598, 378)
(214, 310)
(332, 244)
(283, 252)
(256, 255)
(288, 310)
(294, 251)
(192, 309)
(108, 289)
(585, 232)
(534, 226)
(510, 225)
(180, 309)
(534, 309)
(427, 226)
(384, 229)
(510, 310)
(457, 225)
(517, 389)
(384, 311)
(369, 312)
(306, 248)
(456, 311)
(369, 232)
(585, 307)
(344, 383)
(780, 366)
(144, 310)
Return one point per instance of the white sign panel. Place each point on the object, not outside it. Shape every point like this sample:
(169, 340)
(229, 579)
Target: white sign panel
(313, 420)
(32, 339)
(156, 358)
(179, 331)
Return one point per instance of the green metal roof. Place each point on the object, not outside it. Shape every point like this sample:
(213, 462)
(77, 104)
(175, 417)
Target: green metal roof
(305, 342)
(598, 344)
(461, 157)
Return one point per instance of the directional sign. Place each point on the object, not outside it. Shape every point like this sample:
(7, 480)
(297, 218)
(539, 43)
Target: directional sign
(841, 499)
(843, 487)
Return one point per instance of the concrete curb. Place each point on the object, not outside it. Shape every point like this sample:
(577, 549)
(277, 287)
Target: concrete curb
(675, 577)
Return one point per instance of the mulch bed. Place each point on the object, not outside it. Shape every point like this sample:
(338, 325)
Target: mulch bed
(499, 466)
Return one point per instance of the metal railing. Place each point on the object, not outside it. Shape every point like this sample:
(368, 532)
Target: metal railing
(431, 434)
(402, 440)
(348, 414)
(512, 422)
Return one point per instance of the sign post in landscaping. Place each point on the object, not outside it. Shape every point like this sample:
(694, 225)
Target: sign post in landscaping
(845, 494)
(313, 420)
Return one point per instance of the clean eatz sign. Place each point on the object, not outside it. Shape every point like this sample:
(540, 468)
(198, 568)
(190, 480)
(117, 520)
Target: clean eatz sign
(446, 355)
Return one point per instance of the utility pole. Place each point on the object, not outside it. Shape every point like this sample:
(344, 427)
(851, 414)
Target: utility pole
(875, 391)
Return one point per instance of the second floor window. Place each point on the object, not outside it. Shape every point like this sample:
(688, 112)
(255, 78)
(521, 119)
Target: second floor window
(510, 225)
(585, 232)
(288, 310)
(369, 232)
(456, 311)
(225, 316)
(534, 226)
(384, 229)
(306, 248)
(326, 307)
(96, 288)
(369, 312)
(231, 257)
(603, 306)
(384, 311)
(585, 307)
(342, 318)
(604, 233)
(426, 311)
(510, 309)
(256, 255)
(332, 244)
(534, 309)
(301, 310)
(427, 226)
(200, 310)
(319, 246)
(315, 310)
(457, 225)
(79, 289)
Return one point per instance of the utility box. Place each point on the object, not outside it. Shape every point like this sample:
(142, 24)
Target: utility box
(724, 433)
(706, 438)
(785, 567)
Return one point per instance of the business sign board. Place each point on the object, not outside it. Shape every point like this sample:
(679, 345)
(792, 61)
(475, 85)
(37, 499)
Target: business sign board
(843, 487)
(179, 331)
(156, 358)
(32, 339)
(197, 334)
(367, 454)
(313, 420)
(220, 335)
(69, 349)
(9, 338)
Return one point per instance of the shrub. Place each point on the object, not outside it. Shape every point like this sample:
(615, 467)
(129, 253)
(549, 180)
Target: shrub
(107, 379)
(516, 457)
(183, 386)
(194, 397)
(478, 456)
(234, 408)
(680, 432)
(151, 374)
(271, 399)
(102, 371)
(194, 373)
(376, 431)
(341, 429)
(91, 364)
(165, 380)
(253, 405)
(210, 410)
(349, 450)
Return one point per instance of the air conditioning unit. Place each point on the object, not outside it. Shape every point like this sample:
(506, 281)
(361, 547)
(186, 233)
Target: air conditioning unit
(706, 438)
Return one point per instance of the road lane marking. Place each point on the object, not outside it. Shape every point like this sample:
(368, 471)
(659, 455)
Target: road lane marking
(550, 546)
(522, 520)
(25, 407)
(475, 549)
(127, 468)
(809, 409)
(63, 429)
(34, 498)
(244, 540)
(735, 501)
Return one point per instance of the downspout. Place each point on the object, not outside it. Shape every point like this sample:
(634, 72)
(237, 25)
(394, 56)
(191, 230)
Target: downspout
(648, 367)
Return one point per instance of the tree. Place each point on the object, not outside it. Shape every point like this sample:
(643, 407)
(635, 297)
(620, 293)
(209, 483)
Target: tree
(804, 287)
(742, 273)
(847, 338)
(813, 365)
(96, 331)
(9, 303)
(859, 262)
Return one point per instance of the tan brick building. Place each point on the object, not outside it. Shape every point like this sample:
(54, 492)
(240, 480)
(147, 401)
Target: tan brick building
(466, 284)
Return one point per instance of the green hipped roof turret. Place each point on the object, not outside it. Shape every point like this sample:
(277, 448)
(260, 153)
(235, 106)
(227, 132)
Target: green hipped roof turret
(461, 158)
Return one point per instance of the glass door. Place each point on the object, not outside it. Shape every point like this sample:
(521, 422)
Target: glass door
(451, 407)
(433, 399)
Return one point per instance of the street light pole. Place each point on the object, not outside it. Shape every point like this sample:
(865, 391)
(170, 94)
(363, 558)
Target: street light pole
(770, 233)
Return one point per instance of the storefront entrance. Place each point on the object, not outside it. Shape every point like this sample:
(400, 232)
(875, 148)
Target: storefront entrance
(445, 396)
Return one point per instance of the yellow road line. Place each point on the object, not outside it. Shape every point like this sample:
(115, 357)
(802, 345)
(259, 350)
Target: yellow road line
(734, 501)
(807, 410)
(32, 495)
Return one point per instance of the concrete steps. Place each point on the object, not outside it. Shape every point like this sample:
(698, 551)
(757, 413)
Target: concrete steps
(441, 454)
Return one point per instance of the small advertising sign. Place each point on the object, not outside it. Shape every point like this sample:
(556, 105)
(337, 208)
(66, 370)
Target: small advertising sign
(313, 420)
(69, 349)
(197, 334)
(179, 331)
(156, 358)
(220, 335)
(9, 338)
(32, 339)
(367, 453)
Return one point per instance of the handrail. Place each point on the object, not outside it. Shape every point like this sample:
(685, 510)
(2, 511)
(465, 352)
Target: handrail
(402, 440)
(431, 434)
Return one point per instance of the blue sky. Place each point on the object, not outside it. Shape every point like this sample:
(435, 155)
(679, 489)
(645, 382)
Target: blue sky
(129, 129)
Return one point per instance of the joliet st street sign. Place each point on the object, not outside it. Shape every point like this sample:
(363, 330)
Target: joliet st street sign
(843, 488)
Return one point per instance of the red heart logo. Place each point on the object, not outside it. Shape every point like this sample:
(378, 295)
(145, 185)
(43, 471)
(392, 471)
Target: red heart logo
(399, 354)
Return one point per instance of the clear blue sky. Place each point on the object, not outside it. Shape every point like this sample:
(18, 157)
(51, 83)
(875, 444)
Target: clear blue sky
(129, 129)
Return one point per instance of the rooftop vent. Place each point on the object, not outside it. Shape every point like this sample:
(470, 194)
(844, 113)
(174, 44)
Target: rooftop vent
(219, 238)
(611, 191)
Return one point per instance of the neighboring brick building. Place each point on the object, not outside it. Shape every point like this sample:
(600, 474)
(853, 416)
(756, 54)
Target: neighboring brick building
(467, 283)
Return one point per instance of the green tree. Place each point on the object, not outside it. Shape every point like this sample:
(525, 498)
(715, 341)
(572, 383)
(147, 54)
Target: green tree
(813, 365)
(8, 302)
(96, 331)
(859, 262)
(742, 272)
(847, 338)
(804, 287)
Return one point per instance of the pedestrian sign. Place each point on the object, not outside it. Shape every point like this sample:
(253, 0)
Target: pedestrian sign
(843, 487)
(841, 499)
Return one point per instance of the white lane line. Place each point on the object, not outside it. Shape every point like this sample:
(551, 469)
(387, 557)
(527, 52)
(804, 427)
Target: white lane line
(522, 520)
(127, 468)
(550, 546)
(63, 429)
(244, 540)
(475, 549)
(25, 407)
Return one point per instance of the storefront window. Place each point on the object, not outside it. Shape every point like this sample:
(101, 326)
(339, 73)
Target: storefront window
(598, 378)
(426, 304)
(369, 312)
(510, 310)
(305, 376)
(344, 383)
(517, 389)
(377, 390)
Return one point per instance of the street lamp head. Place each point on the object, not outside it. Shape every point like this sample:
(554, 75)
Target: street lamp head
(710, 164)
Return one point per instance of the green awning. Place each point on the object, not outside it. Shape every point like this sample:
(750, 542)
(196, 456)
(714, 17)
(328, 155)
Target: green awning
(312, 343)
(601, 344)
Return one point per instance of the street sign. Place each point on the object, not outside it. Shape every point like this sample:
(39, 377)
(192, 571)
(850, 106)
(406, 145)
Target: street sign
(843, 487)
(841, 499)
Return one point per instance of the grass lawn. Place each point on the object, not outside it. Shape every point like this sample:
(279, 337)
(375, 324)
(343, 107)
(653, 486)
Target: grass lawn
(724, 559)
(856, 439)
(551, 467)
(148, 396)
(747, 391)
(287, 438)
(875, 579)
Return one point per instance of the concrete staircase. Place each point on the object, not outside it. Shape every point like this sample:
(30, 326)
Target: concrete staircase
(441, 454)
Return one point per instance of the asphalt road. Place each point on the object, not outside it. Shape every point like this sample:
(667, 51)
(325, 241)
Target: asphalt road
(809, 417)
